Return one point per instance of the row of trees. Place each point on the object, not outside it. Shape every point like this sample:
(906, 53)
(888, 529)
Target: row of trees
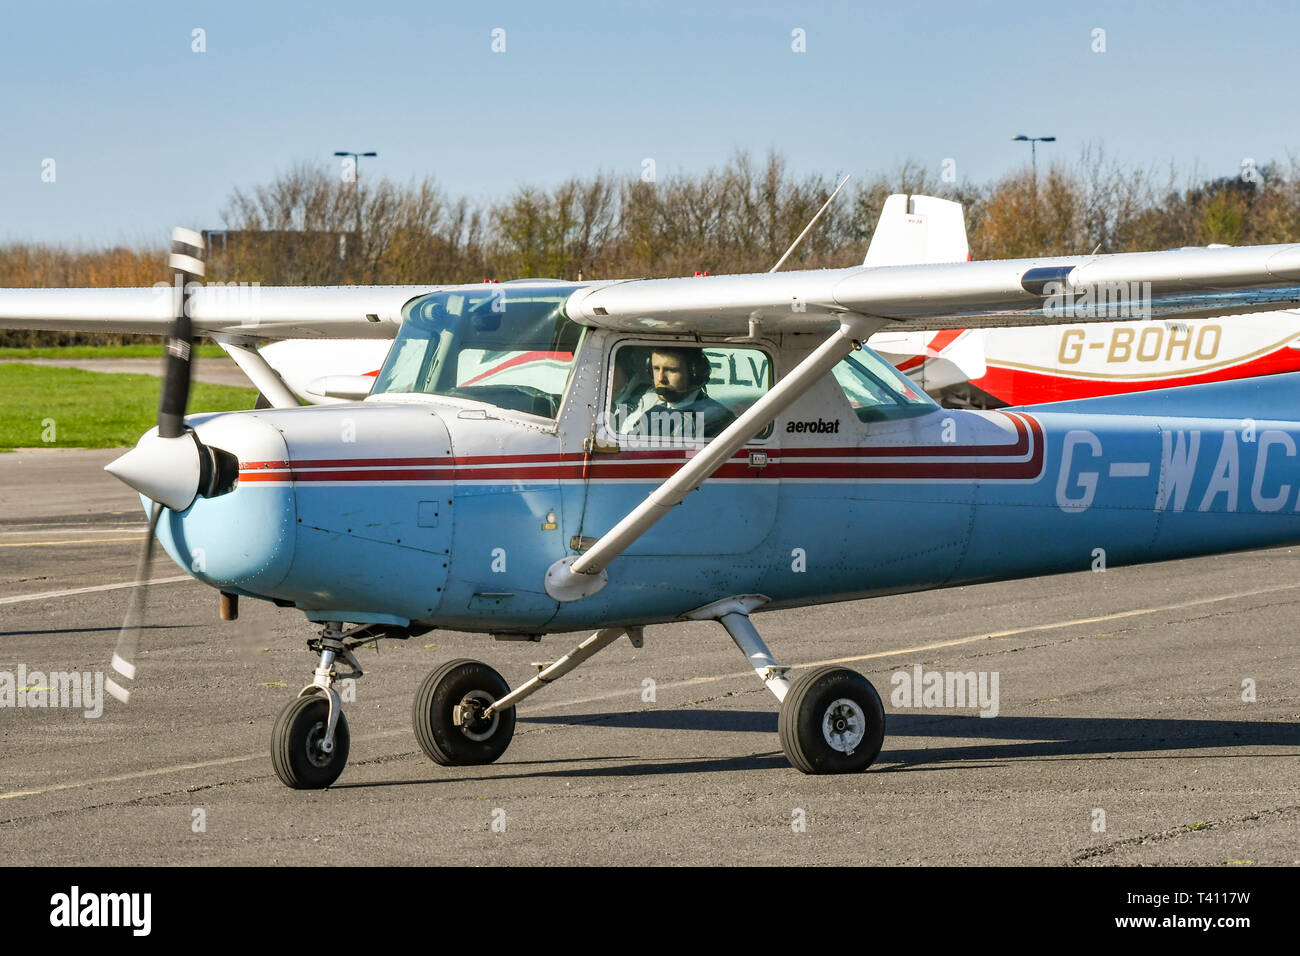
(302, 228)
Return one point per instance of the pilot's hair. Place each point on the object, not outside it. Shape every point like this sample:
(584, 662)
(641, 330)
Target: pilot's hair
(696, 362)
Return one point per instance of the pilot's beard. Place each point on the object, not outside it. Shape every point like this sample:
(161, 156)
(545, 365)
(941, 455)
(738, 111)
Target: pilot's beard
(671, 395)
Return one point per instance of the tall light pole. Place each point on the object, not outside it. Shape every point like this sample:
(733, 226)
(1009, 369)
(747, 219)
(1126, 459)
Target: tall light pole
(1033, 142)
(356, 184)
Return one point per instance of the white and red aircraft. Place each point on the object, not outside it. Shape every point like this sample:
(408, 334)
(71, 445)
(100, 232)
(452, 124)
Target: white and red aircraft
(994, 367)
(990, 368)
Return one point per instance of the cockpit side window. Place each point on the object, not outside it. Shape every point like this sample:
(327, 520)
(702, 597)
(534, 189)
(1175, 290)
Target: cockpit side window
(672, 393)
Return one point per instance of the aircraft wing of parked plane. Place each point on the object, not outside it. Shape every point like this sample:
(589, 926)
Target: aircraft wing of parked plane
(914, 281)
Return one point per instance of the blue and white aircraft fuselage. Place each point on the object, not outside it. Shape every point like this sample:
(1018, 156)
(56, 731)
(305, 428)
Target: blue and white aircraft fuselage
(408, 521)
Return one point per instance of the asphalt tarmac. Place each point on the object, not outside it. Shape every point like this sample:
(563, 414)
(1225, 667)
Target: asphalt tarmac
(1121, 737)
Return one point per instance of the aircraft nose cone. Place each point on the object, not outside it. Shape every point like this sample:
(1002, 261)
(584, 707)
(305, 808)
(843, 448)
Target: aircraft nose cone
(165, 470)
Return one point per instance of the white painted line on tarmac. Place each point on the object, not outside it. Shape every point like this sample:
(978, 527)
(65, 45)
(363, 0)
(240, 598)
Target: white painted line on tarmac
(64, 543)
(75, 530)
(129, 776)
(44, 595)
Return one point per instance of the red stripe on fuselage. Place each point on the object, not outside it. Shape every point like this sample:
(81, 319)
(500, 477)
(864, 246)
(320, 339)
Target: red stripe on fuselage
(1020, 387)
(656, 465)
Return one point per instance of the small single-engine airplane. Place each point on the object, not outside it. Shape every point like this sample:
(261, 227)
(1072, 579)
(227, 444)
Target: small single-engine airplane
(541, 456)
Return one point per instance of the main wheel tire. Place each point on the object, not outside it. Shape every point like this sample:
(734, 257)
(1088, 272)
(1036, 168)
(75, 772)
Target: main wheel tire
(454, 684)
(832, 721)
(295, 744)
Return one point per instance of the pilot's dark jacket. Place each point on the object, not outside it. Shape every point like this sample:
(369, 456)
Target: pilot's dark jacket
(716, 417)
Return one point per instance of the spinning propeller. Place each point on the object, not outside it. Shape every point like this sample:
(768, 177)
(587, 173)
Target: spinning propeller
(169, 466)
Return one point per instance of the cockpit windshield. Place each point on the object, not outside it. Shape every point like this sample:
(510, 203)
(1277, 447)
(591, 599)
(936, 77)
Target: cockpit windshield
(877, 391)
(509, 346)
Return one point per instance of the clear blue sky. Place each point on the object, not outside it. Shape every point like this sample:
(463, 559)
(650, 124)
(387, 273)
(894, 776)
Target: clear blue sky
(146, 134)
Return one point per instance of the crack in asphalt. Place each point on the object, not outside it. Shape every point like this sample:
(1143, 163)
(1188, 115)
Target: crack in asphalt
(1162, 835)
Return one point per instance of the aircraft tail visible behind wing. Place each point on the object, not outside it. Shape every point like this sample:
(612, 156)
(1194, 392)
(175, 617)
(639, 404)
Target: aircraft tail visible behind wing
(918, 230)
(934, 360)
(921, 230)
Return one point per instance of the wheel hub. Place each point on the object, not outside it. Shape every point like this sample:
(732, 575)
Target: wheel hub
(316, 753)
(844, 725)
(468, 716)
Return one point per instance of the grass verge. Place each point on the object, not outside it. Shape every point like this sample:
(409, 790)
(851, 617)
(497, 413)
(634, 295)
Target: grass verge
(45, 407)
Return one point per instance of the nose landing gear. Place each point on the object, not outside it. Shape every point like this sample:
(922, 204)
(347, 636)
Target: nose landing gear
(309, 744)
(298, 744)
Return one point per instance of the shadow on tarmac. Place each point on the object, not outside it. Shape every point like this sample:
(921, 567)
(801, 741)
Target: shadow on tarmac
(89, 630)
(1033, 738)
(1082, 734)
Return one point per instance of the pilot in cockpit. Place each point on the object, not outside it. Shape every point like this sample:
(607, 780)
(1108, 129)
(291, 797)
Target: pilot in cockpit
(665, 393)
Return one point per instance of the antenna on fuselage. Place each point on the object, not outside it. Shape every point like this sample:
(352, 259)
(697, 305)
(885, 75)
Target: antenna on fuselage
(808, 228)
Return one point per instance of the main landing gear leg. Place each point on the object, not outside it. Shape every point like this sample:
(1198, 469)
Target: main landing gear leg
(464, 712)
(831, 720)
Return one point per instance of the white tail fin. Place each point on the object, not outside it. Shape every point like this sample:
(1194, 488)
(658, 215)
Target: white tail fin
(918, 230)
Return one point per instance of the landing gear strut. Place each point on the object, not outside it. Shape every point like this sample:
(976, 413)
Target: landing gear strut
(831, 719)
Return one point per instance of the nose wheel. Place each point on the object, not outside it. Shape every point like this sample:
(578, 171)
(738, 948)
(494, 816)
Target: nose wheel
(832, 721)
(455, 722)
(302, 757)
(309, 745)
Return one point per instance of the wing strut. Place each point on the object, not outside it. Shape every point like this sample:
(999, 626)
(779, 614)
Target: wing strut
(259, 372)
(580, 576)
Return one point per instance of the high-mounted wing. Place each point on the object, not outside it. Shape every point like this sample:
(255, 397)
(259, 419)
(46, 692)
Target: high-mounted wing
(857, 302)
(1186, 283)
(246, 312)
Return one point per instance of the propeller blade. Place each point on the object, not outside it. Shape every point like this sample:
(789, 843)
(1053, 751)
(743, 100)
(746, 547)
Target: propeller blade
(186, 260)
(128, 638)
